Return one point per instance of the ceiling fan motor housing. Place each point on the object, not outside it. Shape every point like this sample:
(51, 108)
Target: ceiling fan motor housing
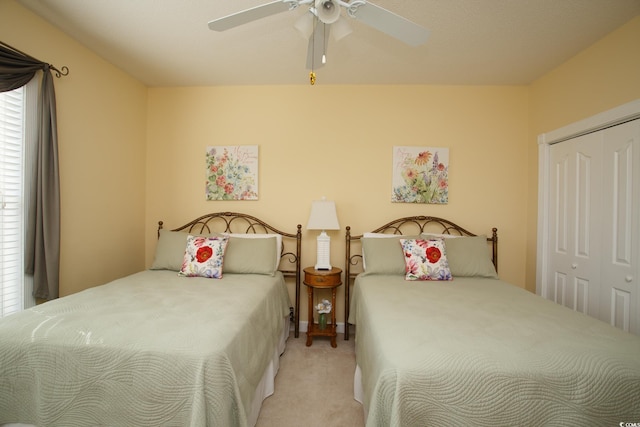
(328, 11)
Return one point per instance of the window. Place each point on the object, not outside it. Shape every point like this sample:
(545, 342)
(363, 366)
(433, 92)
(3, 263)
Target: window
(11, 182)
(15, 288)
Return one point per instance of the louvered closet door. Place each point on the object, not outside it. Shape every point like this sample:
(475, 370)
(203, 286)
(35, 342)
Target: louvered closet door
(620, 296)
(575, 218)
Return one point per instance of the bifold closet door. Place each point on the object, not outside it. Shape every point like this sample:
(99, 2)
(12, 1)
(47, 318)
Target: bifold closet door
(575, 222)
(594, 225)
(620, 293)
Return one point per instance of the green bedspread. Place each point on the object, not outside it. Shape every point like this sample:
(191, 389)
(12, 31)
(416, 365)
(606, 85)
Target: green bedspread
(149, 349)
(481, 352)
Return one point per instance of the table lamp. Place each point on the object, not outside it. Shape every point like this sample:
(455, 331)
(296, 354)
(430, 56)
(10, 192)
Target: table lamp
(323, 217)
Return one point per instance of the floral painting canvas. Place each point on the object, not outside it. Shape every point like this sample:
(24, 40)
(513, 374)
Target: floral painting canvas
(232, 172)
(420, 175)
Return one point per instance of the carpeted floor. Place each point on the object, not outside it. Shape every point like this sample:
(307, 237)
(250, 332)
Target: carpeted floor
(314, 386)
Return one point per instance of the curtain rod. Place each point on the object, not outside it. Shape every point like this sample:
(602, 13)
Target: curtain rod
(58, 73)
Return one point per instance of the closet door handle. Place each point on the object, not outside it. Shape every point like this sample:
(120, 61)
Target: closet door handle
(574, 266)
(628, 279)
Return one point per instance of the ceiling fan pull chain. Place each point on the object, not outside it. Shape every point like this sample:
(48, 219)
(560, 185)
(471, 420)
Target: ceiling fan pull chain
(324, 44)
(312, 74)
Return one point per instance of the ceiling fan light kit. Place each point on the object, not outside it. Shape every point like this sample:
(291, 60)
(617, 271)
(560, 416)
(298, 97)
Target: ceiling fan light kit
(327, 11)
(304, 25)
(341, 29)
(324, 14)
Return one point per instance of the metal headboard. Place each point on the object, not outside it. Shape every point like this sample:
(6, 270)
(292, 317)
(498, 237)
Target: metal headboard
(234, 222)
(412, 225)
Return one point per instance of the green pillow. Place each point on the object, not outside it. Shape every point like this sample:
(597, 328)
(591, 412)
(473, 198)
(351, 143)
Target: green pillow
(170, 250)
(383, 254)
(469, 256)
(251, 256)
(250, 253)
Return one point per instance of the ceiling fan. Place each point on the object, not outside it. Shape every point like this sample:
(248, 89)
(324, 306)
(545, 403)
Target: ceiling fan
(324, 15)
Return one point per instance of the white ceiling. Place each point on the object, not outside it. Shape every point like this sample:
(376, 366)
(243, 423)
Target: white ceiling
(472, 42)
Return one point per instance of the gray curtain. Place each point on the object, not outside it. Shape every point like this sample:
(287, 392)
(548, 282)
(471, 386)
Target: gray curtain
(42, 248)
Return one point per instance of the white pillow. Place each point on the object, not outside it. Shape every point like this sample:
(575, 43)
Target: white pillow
(380, 235)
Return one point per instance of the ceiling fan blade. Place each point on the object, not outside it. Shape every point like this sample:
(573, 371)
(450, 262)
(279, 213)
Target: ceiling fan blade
(318, 42)
(391, 24)
(248, 15)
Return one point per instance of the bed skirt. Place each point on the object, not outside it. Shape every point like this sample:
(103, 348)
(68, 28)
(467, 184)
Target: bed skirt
(358, 391)
(266, 387)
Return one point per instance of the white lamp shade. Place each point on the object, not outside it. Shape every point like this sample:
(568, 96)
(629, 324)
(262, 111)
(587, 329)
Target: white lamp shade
(323, 216)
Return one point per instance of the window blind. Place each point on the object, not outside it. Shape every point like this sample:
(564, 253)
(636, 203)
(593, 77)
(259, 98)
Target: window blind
(11, 206)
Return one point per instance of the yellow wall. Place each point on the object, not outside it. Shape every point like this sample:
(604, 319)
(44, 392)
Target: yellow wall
(131, 155)
(602, 77)
(336, 141)
(101, 132)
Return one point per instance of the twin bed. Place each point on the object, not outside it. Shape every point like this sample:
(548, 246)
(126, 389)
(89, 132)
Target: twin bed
(475, 350)
(165, 346)
(159, 348)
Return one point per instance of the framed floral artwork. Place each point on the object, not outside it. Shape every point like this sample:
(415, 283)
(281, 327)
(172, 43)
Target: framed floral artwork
(420, 175)
(232, 172)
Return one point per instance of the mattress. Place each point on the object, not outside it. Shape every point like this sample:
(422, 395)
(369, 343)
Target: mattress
(482, 352)
(148, 349)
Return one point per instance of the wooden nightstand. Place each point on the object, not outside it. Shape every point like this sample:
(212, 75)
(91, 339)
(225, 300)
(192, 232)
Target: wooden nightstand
(322, 279)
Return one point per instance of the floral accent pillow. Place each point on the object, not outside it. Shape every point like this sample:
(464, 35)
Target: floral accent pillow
(203, 257)
(425, 259)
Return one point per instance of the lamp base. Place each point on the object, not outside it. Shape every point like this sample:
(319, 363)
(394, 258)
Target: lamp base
(323, 247)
